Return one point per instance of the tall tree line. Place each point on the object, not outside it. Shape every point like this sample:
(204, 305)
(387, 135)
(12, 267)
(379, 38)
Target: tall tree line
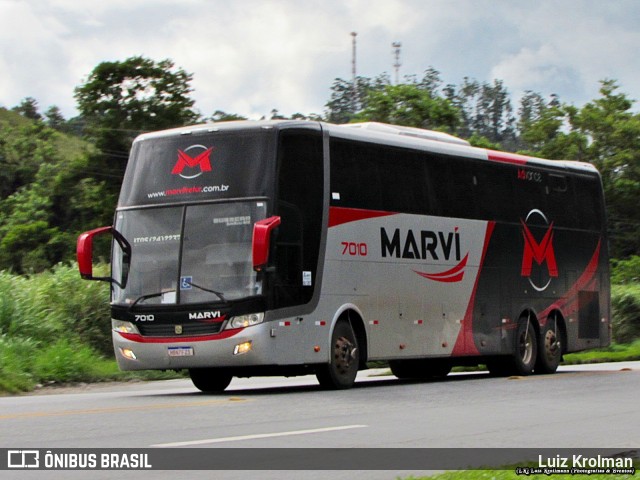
(59, 177)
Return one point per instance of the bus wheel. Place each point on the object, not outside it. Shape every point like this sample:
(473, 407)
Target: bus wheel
(549, 349)
(526, 348)
(210, 380)
(341, 372)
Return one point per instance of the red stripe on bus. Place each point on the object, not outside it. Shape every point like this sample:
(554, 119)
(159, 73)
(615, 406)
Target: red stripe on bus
(506, 157)
(134, 337)
(341, 215)
(464, 343)
(586, 282)
(452, 275)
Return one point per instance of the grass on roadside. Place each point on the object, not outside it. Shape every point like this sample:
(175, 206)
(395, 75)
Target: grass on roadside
(25, 365)
(613, 353)
(511, 475)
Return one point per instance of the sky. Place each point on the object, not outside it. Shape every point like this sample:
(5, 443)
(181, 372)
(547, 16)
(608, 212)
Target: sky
(252, 56)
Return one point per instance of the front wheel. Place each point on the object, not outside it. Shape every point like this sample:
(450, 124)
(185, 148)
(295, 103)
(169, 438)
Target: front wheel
(210, 380)
(340, 372)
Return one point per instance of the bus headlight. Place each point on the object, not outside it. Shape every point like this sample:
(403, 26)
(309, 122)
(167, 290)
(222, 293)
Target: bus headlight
(124, 327)
(242, 321)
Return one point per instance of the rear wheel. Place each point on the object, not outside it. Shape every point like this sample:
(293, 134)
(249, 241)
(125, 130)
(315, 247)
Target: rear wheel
(525, 352)
(210, 380)
(549, 348)
(341, 372)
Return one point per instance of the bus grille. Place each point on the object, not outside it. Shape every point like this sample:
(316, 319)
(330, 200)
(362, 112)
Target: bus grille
(169, 330)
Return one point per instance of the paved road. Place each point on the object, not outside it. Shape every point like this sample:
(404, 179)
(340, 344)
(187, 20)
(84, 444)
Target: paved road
(586, 406)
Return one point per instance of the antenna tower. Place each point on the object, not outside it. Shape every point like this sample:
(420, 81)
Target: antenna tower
(353, 71)
(396, 53)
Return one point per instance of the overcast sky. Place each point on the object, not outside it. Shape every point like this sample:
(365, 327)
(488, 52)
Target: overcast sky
(250, 56)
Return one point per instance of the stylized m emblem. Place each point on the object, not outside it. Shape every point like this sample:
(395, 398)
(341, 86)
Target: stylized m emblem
(540, 252)
(202, 160)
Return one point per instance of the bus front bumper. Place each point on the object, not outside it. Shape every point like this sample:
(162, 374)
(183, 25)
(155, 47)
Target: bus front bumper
(231, 348)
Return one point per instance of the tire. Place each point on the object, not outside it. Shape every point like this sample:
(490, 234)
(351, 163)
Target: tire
(210, 380)
(340, 373)
(549, 348)
(420, 369)
(523, 356)
(525, 351)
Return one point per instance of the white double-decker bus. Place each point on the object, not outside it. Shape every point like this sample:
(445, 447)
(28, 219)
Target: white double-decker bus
(263, 248)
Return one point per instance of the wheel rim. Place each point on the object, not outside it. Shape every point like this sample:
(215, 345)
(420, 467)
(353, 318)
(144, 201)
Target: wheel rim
(345, 354)
(551, 345)
(525, 347)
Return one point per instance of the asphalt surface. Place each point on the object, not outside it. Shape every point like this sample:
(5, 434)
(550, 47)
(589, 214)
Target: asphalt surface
(578, 407)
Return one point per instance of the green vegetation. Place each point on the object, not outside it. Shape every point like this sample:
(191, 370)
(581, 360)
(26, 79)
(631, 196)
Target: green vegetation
(625, 303)
(616, 352)
(511, 475)
(56, 328)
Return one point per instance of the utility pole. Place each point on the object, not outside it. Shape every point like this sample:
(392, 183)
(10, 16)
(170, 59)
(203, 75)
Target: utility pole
(396, 52)
(354, 93)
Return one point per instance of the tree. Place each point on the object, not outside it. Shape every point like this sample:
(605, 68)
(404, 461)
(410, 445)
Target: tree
(28, 108)
(409, 105)
(613, 133)
(485, 110)
(347, 99)
(55, 119)
(23, 148)
(119, 100)
(546, 129)
(431, 81)
(220, 116)
(136, 94)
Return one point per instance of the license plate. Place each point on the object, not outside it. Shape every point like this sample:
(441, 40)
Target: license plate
(180, 351)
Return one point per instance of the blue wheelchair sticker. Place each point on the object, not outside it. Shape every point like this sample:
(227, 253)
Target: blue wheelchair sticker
(185, 283)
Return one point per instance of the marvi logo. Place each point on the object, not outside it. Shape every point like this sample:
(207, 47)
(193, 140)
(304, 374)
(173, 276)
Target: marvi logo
(201, 161)
(427, 245)
(541, 252)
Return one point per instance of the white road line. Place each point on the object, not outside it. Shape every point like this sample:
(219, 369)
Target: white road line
(257, 436)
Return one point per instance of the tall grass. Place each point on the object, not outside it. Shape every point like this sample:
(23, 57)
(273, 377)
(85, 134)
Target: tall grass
(54, 327)
(625, 303)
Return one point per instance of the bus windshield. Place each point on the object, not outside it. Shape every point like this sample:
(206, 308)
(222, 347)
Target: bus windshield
(187, 254)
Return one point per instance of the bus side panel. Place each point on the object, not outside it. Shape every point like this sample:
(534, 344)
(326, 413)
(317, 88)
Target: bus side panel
(411, 276)
(432, 286)
(569, 277)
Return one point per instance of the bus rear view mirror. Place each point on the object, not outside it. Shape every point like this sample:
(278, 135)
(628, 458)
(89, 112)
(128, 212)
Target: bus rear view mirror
(261, 241)
(84, 252)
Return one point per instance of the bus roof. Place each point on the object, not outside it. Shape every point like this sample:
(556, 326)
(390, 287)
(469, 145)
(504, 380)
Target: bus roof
(374, 132)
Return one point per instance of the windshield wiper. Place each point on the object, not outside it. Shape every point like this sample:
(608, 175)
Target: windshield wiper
(141, 298)
(148, 296)
(217, 294)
